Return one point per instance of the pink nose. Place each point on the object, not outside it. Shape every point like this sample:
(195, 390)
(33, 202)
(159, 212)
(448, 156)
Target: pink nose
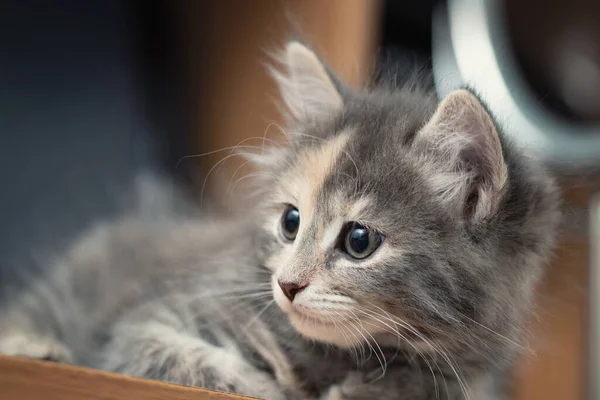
(291, 289)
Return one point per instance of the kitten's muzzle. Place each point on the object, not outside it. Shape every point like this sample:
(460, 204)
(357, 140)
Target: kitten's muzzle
(291, 289)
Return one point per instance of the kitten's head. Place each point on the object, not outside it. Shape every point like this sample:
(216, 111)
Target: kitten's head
(392, 216)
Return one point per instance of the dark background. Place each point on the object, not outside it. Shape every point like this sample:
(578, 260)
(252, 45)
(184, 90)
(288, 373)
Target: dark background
(86, 101)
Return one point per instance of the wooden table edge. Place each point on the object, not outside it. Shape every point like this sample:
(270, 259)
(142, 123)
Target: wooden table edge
(24, 379)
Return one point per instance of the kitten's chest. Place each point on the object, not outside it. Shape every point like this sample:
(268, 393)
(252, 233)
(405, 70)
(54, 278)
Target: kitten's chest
(313, 367)
(321, 374)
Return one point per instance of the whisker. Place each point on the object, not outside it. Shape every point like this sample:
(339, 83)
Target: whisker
(447, 357)
(285, 134)
(396, 332)
(229, 294)
(251, 175)
(212, 152)
(217, 164)
(346, 337)
(257, 316)
(382, 360)
(235, 173)
(360, 361)
(499, 335)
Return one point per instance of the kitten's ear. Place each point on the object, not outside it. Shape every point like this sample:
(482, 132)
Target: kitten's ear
(462, 138)
(306, 87)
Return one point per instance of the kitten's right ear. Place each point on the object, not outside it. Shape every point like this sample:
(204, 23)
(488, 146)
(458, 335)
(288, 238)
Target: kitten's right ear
(306, 87)
(462, 140)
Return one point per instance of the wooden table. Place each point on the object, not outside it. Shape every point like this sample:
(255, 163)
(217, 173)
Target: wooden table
(22, 379)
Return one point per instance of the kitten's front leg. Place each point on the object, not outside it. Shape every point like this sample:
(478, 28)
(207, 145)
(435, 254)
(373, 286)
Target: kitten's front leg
(32, 345)
(155, 350)
(21, 336)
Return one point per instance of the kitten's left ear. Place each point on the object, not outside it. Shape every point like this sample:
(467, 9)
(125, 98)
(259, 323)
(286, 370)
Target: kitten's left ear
(307, 88)
(462, 138)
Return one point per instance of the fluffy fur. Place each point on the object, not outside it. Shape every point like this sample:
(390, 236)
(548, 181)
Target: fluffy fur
(435, 313)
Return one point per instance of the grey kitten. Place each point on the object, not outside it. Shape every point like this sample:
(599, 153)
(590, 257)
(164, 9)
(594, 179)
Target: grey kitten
(393, 254)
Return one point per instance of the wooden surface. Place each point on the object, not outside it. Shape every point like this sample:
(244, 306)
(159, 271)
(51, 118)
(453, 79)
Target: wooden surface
(22, 379)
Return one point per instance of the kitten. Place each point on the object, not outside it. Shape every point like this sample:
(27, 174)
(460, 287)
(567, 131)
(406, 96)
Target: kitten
(393, 254)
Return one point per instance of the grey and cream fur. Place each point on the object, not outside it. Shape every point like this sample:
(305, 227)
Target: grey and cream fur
(435, 312)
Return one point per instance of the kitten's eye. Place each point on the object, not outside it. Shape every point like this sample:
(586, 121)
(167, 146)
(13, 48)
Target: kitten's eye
(361, 242)
(290, 222)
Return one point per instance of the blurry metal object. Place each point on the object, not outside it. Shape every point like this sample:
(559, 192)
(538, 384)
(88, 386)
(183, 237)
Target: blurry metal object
(576, 72)
(556, 45)
(470, 47)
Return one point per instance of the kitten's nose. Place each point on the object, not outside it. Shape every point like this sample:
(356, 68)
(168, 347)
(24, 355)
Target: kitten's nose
(290, 289)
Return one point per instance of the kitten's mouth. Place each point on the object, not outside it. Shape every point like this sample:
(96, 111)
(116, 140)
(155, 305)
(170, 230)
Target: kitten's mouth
(310, 317)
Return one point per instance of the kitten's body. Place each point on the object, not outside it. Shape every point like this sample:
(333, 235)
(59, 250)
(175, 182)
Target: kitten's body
(183, 302)
(438, 308)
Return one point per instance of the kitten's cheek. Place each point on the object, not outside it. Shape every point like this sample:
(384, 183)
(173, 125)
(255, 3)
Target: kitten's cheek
(270, 266)
(284, 304)
(273, 262)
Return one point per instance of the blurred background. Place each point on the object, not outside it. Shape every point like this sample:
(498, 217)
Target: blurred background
(92, 92)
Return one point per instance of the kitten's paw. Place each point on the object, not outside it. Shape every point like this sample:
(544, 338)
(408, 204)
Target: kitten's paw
(342, 390)
(334, 393)
(238, 376)
(33, 346)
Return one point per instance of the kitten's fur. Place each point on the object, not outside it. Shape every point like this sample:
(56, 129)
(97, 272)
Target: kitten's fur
(439, 307)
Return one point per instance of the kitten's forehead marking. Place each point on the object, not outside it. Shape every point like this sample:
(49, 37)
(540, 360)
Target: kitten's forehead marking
(331, 233)
(316, 165)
